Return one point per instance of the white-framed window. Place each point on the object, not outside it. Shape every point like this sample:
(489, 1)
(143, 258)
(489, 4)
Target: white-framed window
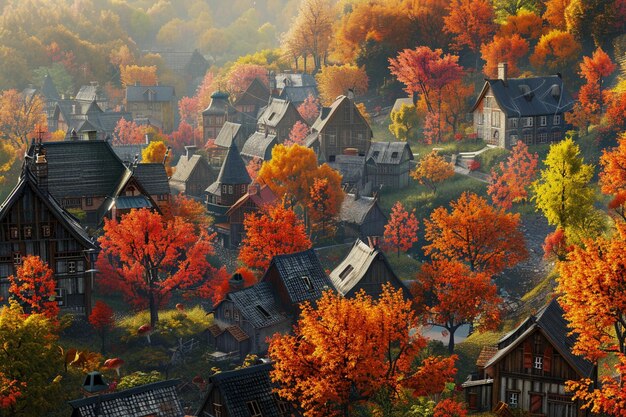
(528, 121)
(513, 139)
(495, 119)
(17, 258)
(528, 138)
(254, 409)
(71, 267)
(15, 232)
(543, 120)
(557, 120)
(513, 121)
(538, 362)
(543, 137)
(513, 398)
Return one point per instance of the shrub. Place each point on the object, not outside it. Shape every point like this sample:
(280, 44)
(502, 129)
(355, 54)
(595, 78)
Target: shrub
(474, 165)
(139, 378)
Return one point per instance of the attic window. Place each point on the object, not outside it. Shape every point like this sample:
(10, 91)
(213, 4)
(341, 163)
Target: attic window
(376, 153)
(346, 272)
(271, 116)
(307, 283)
(526, 91)
(263, 311)
(394, 154)
(253, 408)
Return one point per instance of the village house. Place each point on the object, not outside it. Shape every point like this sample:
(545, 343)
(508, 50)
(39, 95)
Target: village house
(156, 102)
(155, 399)
(190, 65)
(32, 222)
(93, 92)
(365, 268)
(86, 121)
(229, 132)
(360, 217)
(293, 87)
(216, 115)
(249, 104)
(129, 153)
(339, 129)
(529, 368)
(244, 392)
(260, 146)
(278, 118)
(192, 174)
(528, 109)
(388, 164)
(153, 178)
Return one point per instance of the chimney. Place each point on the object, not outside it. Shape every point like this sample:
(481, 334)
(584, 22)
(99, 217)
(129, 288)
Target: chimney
(350, 94)
(41, 167)
(190, 150)
(147, 139)
(167, 153)
(236, 282)
(73, 135)
(502, 71)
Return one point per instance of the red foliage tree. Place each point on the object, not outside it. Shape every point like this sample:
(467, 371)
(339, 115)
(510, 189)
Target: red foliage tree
(455, 296)
(616, 111)
(401, 229)
(35, 287)
(511, 183)
(147, 257)
(298, 134)
(485, 238)
(471, 22)
(10, 391)
(448, 407)
(241, 75)
(128, 132)
(189, 110)
(555, 245)
(185, 135)
(613, 175)
(103, 320)
(309, 109)
(324, 206)
(277, 231)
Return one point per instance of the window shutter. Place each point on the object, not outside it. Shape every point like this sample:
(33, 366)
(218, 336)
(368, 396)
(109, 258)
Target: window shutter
(528, 355)
(547, 359)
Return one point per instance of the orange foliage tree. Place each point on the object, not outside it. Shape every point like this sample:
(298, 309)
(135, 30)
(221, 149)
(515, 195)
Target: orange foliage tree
(336, 80)
(147, 257)
(525, 24)
(555, 245)
(348, 350)
(590, 284)
(432, 169)
(276, 231)
(190, 210)
(613, 175)
(133, 74)
(253, 167)
(185, 135)
(34, 287)
(456, 100)
(10, 391)
(20, 115)
(155, 153)
(471, 22)
(103, 320)
(401, 229)
(616, 111)
(324, 205)
(485, 238)
(556, 51)
(511, 183)
(455, 296)
(555, 13)
(509, 49)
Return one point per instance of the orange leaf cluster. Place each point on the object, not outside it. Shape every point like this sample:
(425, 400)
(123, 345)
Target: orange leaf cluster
(556, 50)
(128, 132)
(277, 231)
(133, 74)
(35, 287)
(298, 133)
(19, 117)
(336, 80)
(432, 169)
(511, 184)
(525, 24)
(309, 109)
(346, 350)
(471, 22)
(509, 49)
(555, 245)
(613, 174)
(190, 210)
(324, 205)
(10, 391)
(486, 238)
(401, 229)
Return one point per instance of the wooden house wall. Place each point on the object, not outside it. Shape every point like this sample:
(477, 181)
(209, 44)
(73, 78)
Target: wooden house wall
(200, 178)
(374, 223)
(346, 129)
(516, 373)
(284, 126)
(389, 176)
(376, 276)
(57, 250)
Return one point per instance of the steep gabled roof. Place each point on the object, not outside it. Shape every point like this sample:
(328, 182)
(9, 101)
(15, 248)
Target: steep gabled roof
(89, 93)
(355, 209)
(550, 321)
(535, 96)
(153, 178)
(327, 114)
(227, 134)
(162, 93)
(241, 386)
(256, 93)
(351, 168)
(298, 94)
(258, 305)
(158, 398)
(388, 153)
(402, 101)
(186, 166)
(233, 169)
(302, 275)
(259, 145)
(274, 112)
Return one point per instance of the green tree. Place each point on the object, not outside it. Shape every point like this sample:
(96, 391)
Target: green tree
(62, 79)
(404, 122)
(563, 192)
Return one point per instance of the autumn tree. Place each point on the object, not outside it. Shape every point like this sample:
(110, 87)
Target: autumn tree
(555, 245)
(525, 23)
(555, 13)
(556, 51)
(276, 231)
(509, 49)
(616, 111)
(471, 22)
(20, 115)
(185, 135)
(427, 72)
(133, 74)
(189, 110)
(147, 258)
(156, 152)
(309, 109)
(510, 183)
(253, 167)
(298, 134)
(103, 320)
(10, 391)
(595, 22)
(128, 132)
(485, 238)
(34, 287)
(455, 296)
(457, 96)
(240, 76)
(324, 206)
(404, 123)
(336, 80)
(613, 175)
(346, 350)
(401, 229)
(191, 211)
(432, 169)
(563, 192)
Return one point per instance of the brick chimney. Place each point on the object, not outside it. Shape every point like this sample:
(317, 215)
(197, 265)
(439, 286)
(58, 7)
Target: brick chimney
(502, 71)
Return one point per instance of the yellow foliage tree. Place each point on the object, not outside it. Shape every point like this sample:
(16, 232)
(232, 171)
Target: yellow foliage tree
(431, 169)
(144, 75)
(335, 80)
(404, 122)
(20, 115)
(556, 51)
(155, 153)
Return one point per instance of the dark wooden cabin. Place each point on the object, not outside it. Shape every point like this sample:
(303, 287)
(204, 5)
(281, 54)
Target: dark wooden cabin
(361, 217)
(388, 164)
(278, 118)
(192, 175)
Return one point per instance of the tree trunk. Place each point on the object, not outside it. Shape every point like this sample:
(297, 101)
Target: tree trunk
(451, 340)
(154, 308)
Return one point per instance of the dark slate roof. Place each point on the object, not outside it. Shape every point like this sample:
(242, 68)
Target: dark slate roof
(554, 326)
(354, 210)
(294, 268)
(389, 153)
(185, 167)
(67, 220)
(159, 398)
(89, 93)
(256, 93)
(274, 112)
(128, 152)
(233, 169)
(259, 145)
(294, 80)
(241, 386)
(83, 168)
(219, 105)
(521, 97)
(127, 202)
(227, 133)
(298, 94)
(162, 93)
(48, 89)
(250, 299)
(351, 167)
(153, 178)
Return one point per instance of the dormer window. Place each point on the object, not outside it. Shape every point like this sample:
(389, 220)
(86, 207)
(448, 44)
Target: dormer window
(394, 155)
(254, 409)
(307, 282)
(346, 271)
(263, 311)
(376, 153)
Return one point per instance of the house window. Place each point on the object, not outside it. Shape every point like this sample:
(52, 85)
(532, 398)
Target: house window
(556, 136)
(28, 232)
(236, 315)
(227, 313)
(89, 201)
(480, 118)
(543, 120)
(513, 122)
(346, 272)
(45, 230)
(528, 138)
(512, 398)
(307, 283)
(15, 234)
(495, 119)
(230, 189)
(332, 140)
(71, 267)
(538, 362)
(217, 410)
(162, 197)
(513, 139)
(394, 155)
(543, 137)
(282, 405)
(17, 258)
(253, 408)
(557, 119)
(528, 121)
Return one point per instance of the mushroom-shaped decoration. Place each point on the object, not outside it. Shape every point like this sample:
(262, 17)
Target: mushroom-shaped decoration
(180, 307)
(115, 363)
(198, 381)
(145, 330)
